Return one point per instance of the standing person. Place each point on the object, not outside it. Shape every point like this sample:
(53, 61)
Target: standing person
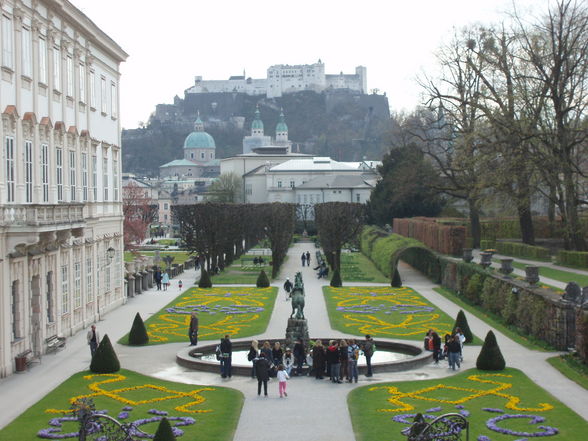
(282, 380)
(93, 339)
(436, 346)
(344, 360)
(303, 258)
(180, 284)
(193, 329)
(157, 277)
(226, 348)
(308, 258)
(253, 355)
(333, 360)
(287, 288)
(165, 280)
(262, 372)
(267, 350)
(368, 351)
(353, 355)
(461, 337)
(318, 359)
(454, 350)
(299, 356)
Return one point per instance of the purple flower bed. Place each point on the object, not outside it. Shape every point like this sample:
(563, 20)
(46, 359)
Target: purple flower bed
(222, 309)
(400, 309)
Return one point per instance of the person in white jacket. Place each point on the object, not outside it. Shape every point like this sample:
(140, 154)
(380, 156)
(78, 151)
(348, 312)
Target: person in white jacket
(288, 361)
(282, 379)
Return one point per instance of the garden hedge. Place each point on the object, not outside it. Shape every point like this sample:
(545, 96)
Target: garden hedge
(517, 249)
(578, 259)
(105, 360)
(490, 358)
(138, 335)
(262, 280)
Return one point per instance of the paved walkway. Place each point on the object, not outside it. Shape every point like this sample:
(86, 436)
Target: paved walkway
(264, 418)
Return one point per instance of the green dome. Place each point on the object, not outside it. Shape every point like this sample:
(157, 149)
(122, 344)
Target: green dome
(281, 127)
(257, 123)
(199, 140)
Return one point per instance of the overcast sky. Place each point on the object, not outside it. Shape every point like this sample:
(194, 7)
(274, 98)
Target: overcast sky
(170, 42)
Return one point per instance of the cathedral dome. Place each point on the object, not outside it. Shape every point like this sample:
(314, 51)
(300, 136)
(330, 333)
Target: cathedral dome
(199, 139)
(281, 126)
(257, 123)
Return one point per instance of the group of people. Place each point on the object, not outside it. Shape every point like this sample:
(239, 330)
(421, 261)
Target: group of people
(258, 261)
(323, 270)
(337, 360)
(452, 348)
(161, 279)
(305, 258)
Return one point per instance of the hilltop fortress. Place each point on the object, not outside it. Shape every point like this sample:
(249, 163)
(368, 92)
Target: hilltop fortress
(282, 79)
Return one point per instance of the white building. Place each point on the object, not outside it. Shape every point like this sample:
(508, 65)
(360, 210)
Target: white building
(60, 197)
(283, 78)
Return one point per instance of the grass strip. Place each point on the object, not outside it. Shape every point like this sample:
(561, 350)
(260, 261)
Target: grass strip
(572, 367)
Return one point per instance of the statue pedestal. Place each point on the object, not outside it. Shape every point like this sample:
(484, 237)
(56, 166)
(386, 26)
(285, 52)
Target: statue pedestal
(297, 329)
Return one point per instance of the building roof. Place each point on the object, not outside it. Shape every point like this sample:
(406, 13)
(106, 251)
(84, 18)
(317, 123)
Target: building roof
(336, 181)
(212, 163)
(266, 155)
(316, 163)
(179, 163)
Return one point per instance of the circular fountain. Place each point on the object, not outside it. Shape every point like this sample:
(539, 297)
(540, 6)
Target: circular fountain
(390, 356)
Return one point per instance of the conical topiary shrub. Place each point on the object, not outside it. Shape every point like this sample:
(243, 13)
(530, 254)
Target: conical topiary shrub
(490, 358)
(204, 281)
(262, 280)
(396, 280)
(138, 335)
(336, 280)
(461, 322)
(105, 360)
(164, 431)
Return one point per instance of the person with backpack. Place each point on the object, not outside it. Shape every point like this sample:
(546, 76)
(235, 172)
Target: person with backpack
(252, 355)
(353, 353)
(287, 287)
(368, 351)
(299, 356)
(262, 367)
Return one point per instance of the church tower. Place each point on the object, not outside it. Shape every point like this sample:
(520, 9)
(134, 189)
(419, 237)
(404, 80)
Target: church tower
(281, 129)
(257, 124)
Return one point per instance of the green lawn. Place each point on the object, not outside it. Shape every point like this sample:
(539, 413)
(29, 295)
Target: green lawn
(494, 321)
(210, 413)
(572, 367)
(179, 256)
(500, 406)
(237, 311)
(559, 275)
(356, 267)
(242, 271)
(385, 312)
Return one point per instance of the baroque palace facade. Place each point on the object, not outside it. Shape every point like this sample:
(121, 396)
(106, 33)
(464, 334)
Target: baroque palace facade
(61, 261)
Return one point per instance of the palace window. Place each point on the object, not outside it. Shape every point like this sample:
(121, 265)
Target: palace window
(59, 173)
(50, 301)
(28, 171)
(103, 95)
(105, 177)
(64, 290)
(77, 285)
(70, 76)
(72, 175)
(115, 179)
(113, 100)
(16, 311)
(82, 81)
(92, 89)
(95, 177)
(56, 68)
(45, 171)
(7, 43)
(84, 177)
(10, 176)
(42, 60)
(27, 53)
(89, 287)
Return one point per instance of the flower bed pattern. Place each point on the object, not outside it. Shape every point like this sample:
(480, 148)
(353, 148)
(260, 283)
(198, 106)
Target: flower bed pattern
(506, 406)
(384, 312)
(238, 311)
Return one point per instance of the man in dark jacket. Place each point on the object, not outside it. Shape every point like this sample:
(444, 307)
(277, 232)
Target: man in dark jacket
(262, 372)
(368, 351)
(193, 330)
(299, 356)
(226, 349)
(287, 287)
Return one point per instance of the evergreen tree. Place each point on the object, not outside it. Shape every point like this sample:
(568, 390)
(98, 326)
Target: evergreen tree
(105, 360)
(204, 281)
(164, 431)
(461, 322)
(262, 280)
(396, 280)
(336, 280)
(138, 335)
(490, 358)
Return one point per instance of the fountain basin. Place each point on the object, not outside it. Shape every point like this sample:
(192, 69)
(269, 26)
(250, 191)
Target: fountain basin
(390, 356)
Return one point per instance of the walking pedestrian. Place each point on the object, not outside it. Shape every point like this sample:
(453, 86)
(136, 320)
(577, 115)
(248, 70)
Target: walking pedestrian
(262, 372)
(353, 352)
(308, 258)
(165, 280)
(287, 288)
(454, 351)
(436, 346)
(303, 258)
(193, 329)
(282, 380)
(157, 277)
(180, 284)
(93, 339)
(299, 356)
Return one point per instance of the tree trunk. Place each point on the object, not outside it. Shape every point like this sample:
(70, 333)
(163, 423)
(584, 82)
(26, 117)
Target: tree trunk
(551, 210)
(475, 223)
(526, 224)
(573, 227)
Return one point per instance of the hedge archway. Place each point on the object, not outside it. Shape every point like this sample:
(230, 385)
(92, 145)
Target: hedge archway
(419, 257)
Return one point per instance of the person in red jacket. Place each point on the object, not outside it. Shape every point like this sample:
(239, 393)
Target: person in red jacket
(334, 361)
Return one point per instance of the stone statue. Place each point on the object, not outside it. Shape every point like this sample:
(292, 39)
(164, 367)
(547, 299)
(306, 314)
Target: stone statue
(297, 296)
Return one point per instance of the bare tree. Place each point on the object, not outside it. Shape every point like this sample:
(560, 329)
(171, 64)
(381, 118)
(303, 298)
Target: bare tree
(227, 188)
(139, 211)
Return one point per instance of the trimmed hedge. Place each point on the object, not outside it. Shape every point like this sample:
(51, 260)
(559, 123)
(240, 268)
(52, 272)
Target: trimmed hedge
(486, 244)
(105, 360)
(164, 431)
(461, 322)
(442, 237)
(262, 280)
(138, 335)
(490, 358)
(517, 249)
(578, 259)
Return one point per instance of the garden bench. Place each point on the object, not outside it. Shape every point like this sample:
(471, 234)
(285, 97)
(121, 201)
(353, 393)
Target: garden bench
(319, 257)
(24, 360)
(54, 343)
